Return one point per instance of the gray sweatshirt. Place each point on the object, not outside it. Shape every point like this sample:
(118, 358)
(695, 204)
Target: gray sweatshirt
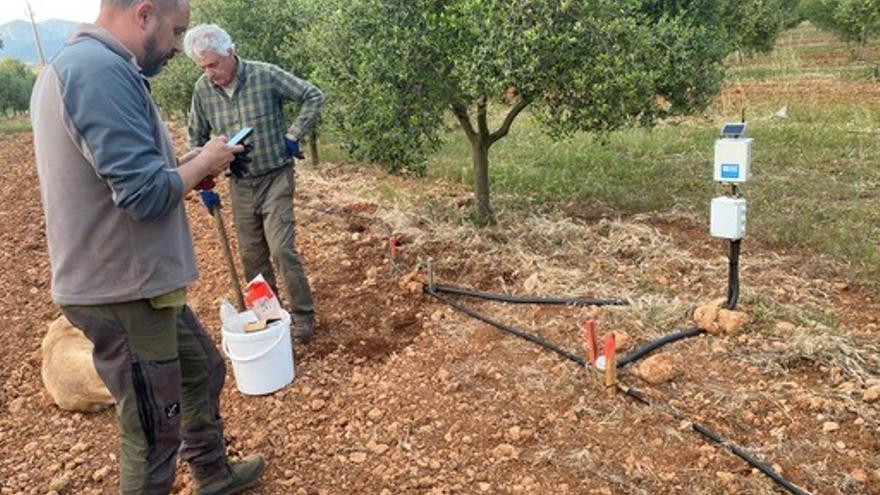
(115, 223)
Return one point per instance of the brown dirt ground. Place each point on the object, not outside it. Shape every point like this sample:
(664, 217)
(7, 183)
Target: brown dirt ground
(398, 394)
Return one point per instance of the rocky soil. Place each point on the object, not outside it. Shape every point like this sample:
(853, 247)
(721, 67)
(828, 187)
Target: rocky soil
(401, 394)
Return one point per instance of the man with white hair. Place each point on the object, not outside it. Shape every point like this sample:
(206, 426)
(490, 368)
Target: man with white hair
(234, 93)
(120, 246)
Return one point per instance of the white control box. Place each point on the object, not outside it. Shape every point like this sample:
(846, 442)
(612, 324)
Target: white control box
(728, 218)
(733, 158)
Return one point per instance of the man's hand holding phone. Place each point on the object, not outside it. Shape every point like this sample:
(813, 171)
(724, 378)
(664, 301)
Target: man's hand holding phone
(215, 157)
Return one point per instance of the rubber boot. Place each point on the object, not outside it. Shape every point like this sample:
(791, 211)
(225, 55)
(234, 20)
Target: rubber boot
(233, 477)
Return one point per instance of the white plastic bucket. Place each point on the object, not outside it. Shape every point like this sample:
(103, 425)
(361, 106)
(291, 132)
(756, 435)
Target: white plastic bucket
(262, 362)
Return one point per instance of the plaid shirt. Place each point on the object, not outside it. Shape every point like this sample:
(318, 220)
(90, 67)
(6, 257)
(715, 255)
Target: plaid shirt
(257, 102)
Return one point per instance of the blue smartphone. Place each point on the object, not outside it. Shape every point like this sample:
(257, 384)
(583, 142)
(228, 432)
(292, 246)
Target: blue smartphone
(240, 136)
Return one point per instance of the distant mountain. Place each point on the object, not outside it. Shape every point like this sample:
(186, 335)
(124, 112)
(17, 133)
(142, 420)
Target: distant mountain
(18, 41)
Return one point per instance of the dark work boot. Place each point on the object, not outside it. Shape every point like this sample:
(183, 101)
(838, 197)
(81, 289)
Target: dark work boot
(303, 328)
(233, 477)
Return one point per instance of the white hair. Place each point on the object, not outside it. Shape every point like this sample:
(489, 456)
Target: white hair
(207, 37)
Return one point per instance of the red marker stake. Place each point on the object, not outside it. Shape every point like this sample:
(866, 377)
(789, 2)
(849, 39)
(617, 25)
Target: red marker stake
(592, 341)
(392, 248)
(610, 365)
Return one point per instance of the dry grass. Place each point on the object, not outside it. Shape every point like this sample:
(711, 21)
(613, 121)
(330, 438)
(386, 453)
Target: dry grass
(809, 347)
(549, 253)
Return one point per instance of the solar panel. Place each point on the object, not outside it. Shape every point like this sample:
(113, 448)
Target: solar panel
(734, 129)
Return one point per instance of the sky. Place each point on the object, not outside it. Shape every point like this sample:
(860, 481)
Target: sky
(70, 10)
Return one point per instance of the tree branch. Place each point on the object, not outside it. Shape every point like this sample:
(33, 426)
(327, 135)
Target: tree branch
(482, 121)
(508, 121)
(464, 119)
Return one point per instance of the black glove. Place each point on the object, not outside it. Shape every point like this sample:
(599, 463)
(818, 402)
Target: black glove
(238, 167)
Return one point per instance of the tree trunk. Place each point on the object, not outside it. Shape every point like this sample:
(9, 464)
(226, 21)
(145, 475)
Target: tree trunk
(313, 148)
(480, 151)
(481, 140)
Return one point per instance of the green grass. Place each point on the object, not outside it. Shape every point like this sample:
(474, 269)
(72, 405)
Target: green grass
(14, 125)
(816, 181)
(815, 184)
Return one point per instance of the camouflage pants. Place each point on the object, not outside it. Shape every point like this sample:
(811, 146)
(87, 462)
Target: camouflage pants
(166, 375)
(262, 208)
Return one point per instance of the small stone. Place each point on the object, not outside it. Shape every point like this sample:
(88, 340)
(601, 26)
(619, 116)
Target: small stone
(785, 327)
(505, 451)
(79, 448)
(16, 406)
(358, 457)
(59, 484)
(731, 321)
(443, 375)
(830, 427)
(724, 477)
(484, 487)
(859, 475)
(515, 433)
(101, 473)
(317, 405)
(377, 448)
(657, 369)
(705, 316)
(841, 286)
(375, 414)
(872, 394)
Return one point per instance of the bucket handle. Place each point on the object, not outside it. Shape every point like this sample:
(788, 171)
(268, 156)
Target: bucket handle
(256, 356)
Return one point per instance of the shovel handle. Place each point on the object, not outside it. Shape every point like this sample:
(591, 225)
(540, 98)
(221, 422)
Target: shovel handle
(227, 253)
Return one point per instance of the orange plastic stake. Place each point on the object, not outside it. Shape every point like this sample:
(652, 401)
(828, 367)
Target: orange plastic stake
(392, 248)
(610, 365)
(592, 341)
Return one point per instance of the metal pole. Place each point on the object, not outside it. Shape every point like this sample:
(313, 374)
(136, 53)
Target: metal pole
(36, 35)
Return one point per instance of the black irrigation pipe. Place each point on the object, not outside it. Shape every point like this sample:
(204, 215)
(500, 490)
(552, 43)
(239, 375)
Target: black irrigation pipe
(733, 275)
(512, 330)
(652, 346)
(719, 440)
(636, 395)
(561, 301)
(628, 358)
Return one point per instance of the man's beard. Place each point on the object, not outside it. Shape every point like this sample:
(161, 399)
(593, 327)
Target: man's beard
(154, 61)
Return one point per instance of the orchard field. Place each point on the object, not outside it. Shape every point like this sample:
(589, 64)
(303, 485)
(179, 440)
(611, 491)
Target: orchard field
(401, 394)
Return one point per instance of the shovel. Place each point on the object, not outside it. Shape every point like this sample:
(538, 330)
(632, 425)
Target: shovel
(212, 202)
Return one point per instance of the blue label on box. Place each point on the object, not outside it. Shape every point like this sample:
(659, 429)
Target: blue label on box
(730, 170)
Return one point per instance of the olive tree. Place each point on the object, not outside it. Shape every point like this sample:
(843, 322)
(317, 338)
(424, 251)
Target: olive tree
(753, 25)
(855, 21)
(16, 83)
(396, 68)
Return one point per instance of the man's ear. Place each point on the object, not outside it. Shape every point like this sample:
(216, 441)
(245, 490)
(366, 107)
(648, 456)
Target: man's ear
(145, 13)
